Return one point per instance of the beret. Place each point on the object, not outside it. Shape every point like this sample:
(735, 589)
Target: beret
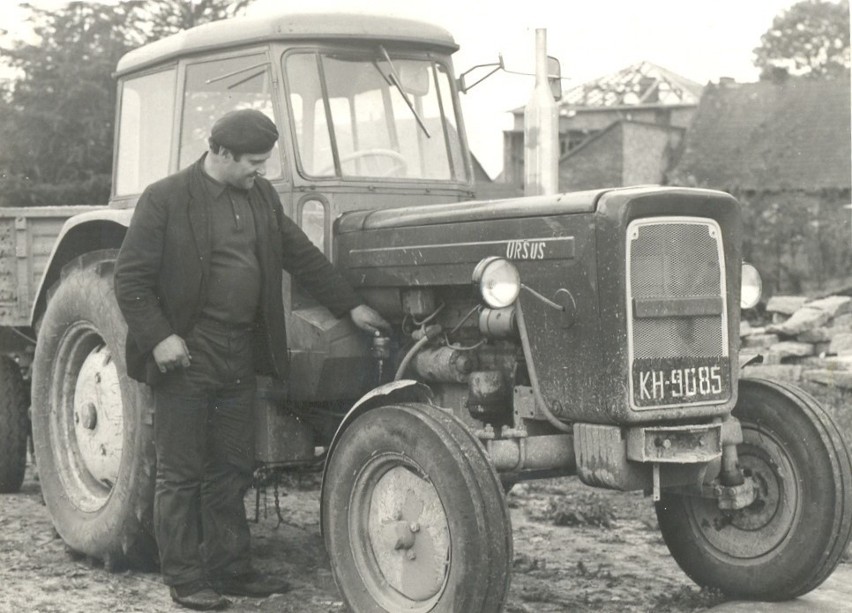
(245, 131)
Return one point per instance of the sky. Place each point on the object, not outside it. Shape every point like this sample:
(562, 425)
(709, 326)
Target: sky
(700, 40)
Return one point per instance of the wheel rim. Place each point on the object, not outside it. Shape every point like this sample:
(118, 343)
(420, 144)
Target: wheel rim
(761, 528)
(86, 417)
(400, 537)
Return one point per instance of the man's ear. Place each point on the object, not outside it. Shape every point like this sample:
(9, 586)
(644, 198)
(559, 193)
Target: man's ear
(226, 153)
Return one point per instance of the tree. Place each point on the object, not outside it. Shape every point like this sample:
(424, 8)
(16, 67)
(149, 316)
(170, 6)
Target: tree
(811, 38)
(57, 116)
(170, 16)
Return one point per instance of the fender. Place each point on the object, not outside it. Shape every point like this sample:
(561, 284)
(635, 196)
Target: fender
(103, 228)
(745, 359)
(404, 390)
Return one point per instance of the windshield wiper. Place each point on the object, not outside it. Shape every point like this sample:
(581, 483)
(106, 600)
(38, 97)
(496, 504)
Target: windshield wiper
(394, 78)
(262, 65)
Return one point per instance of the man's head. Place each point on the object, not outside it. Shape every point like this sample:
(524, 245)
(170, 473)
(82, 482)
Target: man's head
(240, 143)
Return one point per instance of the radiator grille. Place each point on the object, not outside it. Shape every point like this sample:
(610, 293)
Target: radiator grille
(672, 338)
(674, 259)
(676, 279)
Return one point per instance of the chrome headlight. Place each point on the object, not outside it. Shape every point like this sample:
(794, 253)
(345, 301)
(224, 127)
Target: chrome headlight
(498, 280)
(751, 287)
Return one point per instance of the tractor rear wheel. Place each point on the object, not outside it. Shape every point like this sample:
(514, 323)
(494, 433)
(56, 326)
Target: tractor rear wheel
(793, 535)
(413, 515)
(14, 425)
(92, 424)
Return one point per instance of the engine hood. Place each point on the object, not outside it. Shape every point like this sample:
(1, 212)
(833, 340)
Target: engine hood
(459, 212)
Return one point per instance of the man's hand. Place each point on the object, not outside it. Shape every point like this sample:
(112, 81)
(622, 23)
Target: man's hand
(171, 353)
(368, 319)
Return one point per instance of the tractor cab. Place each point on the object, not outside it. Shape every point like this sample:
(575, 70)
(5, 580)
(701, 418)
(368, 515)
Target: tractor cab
(367, 108)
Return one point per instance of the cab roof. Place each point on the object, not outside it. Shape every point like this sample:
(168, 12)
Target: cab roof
(243, 31)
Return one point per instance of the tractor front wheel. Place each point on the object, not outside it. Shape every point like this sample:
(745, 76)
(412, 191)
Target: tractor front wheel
(413, 515)
(793, 535)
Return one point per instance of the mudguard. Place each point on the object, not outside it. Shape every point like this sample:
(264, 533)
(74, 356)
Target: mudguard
(404, 390)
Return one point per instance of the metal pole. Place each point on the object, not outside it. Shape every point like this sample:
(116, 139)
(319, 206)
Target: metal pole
(541, 129)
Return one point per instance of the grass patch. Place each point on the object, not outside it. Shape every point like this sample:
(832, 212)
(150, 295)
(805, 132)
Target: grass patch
(584, 509)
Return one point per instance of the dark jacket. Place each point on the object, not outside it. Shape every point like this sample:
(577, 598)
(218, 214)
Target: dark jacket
(164, 265)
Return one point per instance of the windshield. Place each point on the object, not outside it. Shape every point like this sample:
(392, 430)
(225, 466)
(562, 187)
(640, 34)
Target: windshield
(373, 115)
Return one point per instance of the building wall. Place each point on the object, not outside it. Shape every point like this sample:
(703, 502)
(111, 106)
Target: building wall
(682, 117)
(598, 163)
(588, 122)
(600, 118)
(647, 152)
(513, 158)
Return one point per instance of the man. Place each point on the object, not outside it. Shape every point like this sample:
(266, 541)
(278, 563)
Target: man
(198, 280)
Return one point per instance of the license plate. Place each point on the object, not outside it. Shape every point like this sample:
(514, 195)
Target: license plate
(667, 381)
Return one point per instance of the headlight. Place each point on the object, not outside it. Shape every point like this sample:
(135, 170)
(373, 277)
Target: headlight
(752, 287)
(498, 280)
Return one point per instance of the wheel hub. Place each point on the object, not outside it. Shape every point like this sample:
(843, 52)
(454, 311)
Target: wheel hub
(98, 416)
(768, 483)
(761, 527)
(404, 553)
(411, 557)
(89, 416)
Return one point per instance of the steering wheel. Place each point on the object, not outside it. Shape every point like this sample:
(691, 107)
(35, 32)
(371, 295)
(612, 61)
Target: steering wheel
(400, 165)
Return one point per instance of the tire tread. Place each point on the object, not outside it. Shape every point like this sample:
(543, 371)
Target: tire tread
(840, 458)
(14, 426)
(86, 282)
(496, 591)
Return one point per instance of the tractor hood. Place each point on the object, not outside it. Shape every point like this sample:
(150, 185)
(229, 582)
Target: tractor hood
(460, 212)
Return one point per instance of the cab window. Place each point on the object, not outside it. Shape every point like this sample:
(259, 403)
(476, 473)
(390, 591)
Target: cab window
(374, 115)
(216, 87)
(313, 219)
(145, 128)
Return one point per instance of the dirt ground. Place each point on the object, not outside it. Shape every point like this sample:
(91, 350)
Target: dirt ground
(576, 549)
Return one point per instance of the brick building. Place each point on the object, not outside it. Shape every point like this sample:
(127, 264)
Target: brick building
(621, 129)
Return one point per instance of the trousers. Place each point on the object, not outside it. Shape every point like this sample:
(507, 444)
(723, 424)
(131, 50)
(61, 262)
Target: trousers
(204, 440)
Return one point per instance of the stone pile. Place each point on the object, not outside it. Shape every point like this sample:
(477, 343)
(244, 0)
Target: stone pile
(805, 340)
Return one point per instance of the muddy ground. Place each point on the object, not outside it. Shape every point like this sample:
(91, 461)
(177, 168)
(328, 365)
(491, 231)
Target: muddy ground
(576, 549)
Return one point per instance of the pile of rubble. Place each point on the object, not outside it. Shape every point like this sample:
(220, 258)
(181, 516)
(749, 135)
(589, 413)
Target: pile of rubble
(806, 339)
